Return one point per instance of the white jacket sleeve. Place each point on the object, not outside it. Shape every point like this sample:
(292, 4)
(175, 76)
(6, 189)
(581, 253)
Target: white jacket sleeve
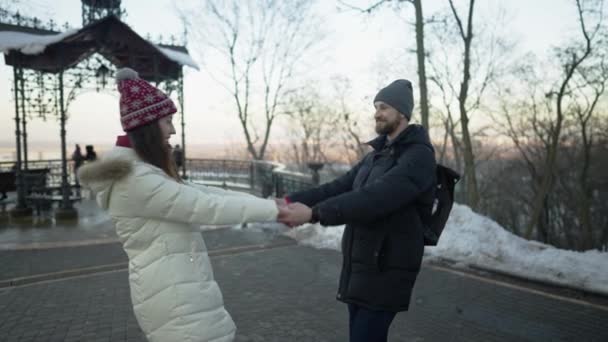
(155, 195)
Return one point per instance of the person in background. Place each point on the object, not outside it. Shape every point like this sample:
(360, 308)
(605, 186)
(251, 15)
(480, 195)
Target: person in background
(78, 159)
(157, 215)
(91, 154)
(178, 156)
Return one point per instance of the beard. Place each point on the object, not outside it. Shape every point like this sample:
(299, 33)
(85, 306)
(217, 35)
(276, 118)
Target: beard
(386, 127)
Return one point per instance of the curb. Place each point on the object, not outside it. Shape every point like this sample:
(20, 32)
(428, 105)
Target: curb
(441, 261)
(60, 275)
(65, 244)
(595, 292)
(51, 245)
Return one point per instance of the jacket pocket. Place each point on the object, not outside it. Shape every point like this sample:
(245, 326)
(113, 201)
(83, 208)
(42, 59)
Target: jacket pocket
(367, 249)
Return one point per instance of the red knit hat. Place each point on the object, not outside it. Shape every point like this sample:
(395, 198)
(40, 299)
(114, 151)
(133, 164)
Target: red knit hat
(140, 102)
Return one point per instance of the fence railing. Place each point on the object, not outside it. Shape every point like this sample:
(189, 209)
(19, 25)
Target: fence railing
(265, 178)
(52, 165)
(262, 177)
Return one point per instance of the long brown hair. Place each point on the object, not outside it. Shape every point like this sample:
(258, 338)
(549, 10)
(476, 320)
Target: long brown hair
(148, 143)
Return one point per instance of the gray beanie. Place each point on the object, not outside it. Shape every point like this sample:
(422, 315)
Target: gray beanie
(398, 95)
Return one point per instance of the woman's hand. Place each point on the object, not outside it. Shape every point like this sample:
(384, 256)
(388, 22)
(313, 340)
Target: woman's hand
(295, 214)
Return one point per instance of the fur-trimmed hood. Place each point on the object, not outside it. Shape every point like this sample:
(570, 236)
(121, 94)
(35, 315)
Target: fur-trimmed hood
(100, 175)
(111, 169)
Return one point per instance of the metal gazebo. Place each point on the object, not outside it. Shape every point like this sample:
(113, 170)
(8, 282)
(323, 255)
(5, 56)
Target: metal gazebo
(51, 67)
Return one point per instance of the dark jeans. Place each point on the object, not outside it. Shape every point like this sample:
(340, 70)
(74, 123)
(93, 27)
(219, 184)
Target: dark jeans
(367, 325)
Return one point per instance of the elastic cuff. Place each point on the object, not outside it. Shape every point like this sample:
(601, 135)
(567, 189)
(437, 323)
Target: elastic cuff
(316, 215)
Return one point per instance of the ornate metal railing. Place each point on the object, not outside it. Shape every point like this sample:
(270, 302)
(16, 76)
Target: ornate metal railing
(18, 19)
(52, 165)
(261, 177)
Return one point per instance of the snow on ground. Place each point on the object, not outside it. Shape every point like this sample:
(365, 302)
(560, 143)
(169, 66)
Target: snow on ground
(471, 239)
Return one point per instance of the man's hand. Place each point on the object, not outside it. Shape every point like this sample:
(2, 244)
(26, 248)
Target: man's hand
(295, 214)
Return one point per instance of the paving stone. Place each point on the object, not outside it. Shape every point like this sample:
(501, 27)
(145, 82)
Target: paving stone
(288, 294)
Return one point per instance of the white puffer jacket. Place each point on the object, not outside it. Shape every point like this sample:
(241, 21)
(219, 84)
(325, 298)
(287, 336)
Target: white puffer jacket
(174, 295)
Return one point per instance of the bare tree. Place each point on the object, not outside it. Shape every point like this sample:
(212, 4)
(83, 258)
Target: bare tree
(466, 34)
(448, 122)
(461, 92)
(571, 58)
(558, 133)
(421, 56)
(325, 128)
(262, 43)
(312, 126)
(350, 132)
(420, 51)
(589, 87)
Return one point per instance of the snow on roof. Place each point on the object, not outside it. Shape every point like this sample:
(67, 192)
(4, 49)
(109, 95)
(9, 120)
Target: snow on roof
(29, 43)
(178, 57)
(33, 44)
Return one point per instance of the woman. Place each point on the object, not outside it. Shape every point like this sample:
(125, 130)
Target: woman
(174, 295)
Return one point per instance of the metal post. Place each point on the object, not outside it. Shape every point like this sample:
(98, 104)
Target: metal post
(180, 98)
(21, 208)
(252, 175)
(66, 209)
(315, 167)
(23, 120)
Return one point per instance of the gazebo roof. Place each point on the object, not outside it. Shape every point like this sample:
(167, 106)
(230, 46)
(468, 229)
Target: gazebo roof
(53, 52)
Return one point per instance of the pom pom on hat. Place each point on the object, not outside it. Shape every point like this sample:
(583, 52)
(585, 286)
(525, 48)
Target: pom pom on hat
(126, 74)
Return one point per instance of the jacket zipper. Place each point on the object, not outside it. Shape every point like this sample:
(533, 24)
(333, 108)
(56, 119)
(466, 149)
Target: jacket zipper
(346, 266)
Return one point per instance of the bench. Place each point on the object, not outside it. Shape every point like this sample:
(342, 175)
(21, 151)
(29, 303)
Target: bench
(34, 180)
(7, 182)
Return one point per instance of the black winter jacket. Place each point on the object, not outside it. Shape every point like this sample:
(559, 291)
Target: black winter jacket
(380, 200)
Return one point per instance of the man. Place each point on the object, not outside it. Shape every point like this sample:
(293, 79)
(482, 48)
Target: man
(382, 200)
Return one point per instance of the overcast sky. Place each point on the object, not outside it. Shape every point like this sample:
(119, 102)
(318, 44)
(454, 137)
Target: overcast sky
(357, 46)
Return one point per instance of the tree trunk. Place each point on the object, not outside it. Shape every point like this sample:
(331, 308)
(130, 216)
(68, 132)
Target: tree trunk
(421, 53)
(585, 193)
(472, 193)
(570, 66)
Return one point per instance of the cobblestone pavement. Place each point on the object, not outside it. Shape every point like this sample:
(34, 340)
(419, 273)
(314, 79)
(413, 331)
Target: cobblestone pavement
(92, 225)
(18, 263)
(286, 293)
(68, 282)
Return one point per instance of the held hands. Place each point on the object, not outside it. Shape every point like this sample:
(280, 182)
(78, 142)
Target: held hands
(281, 202)
(293, 214)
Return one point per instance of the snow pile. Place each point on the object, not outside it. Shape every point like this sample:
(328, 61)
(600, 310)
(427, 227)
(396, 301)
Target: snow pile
(317, 236)
(477, 240)
(472, 239)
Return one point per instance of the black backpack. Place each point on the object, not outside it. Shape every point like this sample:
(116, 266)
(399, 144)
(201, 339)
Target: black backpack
(442, 204)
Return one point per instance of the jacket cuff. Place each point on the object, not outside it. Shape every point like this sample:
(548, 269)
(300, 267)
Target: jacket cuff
(287, 200)
(316, 215)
